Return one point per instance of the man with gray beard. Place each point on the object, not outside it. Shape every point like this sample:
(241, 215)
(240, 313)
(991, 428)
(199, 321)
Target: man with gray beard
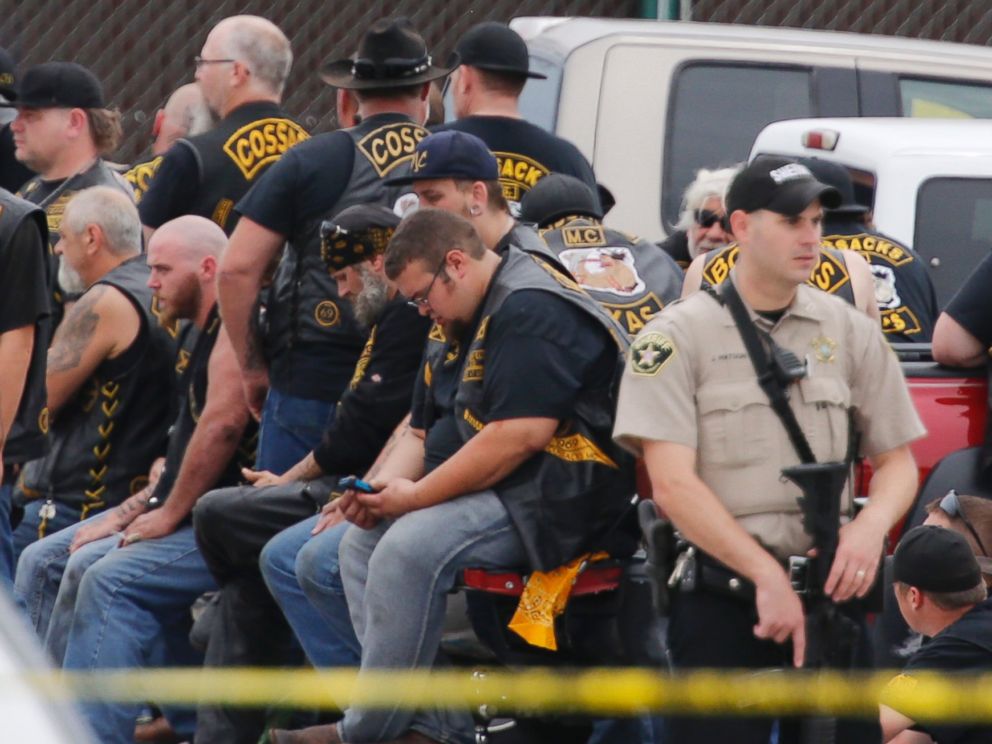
(233, 525)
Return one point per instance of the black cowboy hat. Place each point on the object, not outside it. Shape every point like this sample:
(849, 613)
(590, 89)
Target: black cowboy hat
(391, 54)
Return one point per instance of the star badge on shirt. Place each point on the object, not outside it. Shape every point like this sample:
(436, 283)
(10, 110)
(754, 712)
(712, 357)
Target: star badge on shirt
(649, 353)
(824, 348)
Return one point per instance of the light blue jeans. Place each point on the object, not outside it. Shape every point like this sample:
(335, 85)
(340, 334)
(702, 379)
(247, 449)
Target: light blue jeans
(302, 573)
(291, 427)
(132, 610)
(396, 579)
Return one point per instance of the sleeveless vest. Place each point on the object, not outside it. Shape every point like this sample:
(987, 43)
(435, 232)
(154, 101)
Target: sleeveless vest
(140, 176)
(232, 156)
(192, 400)
(565, 498)
(105, 439)
(830, 273)
(903, 290)
(28, 435)
(631, 278)
(304, 314)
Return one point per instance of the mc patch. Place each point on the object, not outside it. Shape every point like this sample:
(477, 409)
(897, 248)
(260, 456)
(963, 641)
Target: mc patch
(649, 353)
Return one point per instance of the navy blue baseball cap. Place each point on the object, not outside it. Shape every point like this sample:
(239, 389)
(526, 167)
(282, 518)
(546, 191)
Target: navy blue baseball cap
(451, 154)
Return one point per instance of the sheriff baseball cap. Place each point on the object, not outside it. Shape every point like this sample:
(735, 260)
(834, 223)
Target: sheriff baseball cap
(497, 47)
(450, 154)
(779, 185)
(60, 85)
(936, 559)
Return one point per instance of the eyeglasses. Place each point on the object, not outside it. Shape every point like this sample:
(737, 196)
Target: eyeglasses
(199, 61)
(424, 300)
(706, 218)
(951, 506)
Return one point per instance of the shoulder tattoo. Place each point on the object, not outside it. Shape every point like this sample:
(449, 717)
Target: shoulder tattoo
(76, 331)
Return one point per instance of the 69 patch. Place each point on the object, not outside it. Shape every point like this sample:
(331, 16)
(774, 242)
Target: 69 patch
(649, 353)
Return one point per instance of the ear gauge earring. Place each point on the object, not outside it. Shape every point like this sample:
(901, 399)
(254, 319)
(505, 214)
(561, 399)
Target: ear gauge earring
(475, 210)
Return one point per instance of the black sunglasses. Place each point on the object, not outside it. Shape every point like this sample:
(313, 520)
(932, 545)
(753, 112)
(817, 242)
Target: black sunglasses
(952, 507)
(706, 218)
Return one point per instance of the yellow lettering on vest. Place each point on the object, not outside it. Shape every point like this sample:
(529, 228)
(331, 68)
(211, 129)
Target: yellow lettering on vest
(391, 145)
(260, 143)
(583, 236)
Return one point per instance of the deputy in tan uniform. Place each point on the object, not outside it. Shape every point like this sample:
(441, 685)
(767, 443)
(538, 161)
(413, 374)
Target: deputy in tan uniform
(691, 405)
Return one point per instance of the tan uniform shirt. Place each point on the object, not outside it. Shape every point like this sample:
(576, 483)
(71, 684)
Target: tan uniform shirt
(689, 380)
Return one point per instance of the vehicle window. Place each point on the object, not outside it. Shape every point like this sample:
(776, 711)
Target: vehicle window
(953, 229)
(936, 99)
(716, 111)
(539, 100)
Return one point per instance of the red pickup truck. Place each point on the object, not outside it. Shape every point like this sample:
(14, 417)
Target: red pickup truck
(951, 402)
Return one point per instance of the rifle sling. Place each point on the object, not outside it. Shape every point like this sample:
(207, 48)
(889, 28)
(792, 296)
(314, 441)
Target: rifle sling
(762, 363)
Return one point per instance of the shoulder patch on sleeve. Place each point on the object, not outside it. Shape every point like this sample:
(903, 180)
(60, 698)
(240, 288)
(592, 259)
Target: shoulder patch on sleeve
(649, 353)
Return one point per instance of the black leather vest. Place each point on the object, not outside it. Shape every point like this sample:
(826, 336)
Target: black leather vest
(628, 276)
(140, 176)
(830, 273)
(192, 400)
(105, 439)
(903, 290)
(567, 497)
(53, 201)
(27, 439)
(304, 314)
(232, 155)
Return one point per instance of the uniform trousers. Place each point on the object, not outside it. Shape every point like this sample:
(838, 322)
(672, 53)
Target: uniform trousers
(711, 630)
(132, 610)
(232, 525)
(396, 578)
(303, 574)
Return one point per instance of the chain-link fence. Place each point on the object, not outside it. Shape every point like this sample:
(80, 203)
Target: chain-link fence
(143, 50)
(968, 21)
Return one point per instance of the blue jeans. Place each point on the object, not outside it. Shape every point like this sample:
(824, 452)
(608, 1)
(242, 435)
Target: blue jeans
(291, 427)
(132, 611)
(47, 581)
(396, 579)
(302, 572)
(6, 538)
(27, 531)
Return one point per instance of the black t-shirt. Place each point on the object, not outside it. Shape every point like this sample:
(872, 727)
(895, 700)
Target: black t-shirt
(302, 185)
(525, 153)
(13, 173)
(972, 305)
(965, 647)
(379, 394)
(172, 192)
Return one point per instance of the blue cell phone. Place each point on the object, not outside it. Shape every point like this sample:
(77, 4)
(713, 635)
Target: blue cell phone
(355, 483)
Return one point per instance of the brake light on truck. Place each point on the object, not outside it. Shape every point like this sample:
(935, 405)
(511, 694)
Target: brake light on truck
(820, 139)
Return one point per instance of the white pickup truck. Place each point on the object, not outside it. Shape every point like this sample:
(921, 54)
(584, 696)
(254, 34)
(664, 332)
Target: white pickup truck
(650, 102)
(928, 183)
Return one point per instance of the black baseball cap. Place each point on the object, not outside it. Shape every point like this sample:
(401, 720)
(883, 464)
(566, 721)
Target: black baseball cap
(836, 175)
(936, 559)
(60, 85)
(779, 185)
(558, 195)
(497, 47)
(8, 76)
(450, 154)
(356, 234)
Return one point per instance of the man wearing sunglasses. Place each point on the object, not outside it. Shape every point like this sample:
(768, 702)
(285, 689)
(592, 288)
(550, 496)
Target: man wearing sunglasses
(485, 90)
(941, 594)
(702, 225)
(241, 71)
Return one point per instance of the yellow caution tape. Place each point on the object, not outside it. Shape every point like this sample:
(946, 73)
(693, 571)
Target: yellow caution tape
(600, 692)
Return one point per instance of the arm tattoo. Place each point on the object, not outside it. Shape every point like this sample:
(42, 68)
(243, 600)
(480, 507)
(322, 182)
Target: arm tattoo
(75, 332)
